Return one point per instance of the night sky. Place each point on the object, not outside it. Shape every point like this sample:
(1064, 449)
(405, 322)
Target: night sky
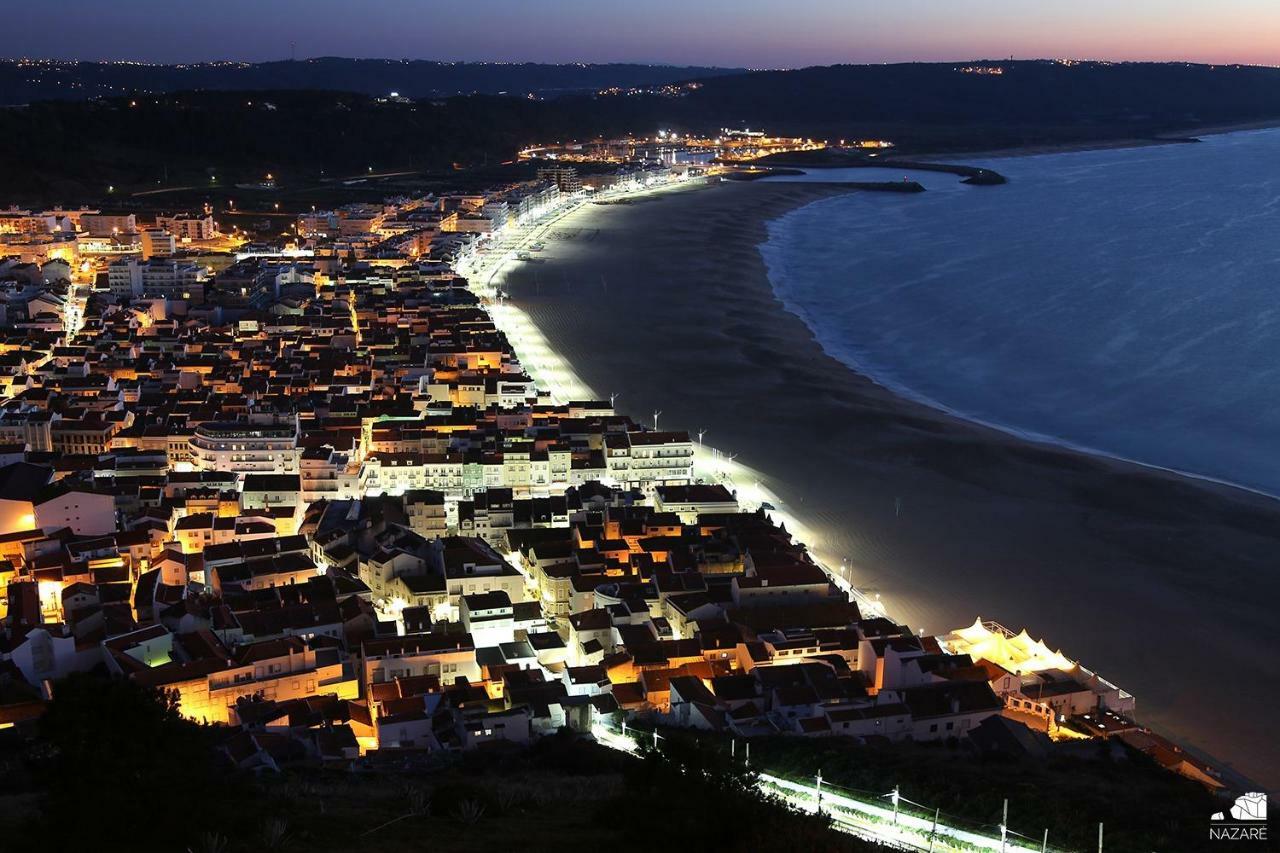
(784, 33)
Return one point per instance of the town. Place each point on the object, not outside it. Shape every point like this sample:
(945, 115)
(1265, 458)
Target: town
(307, 483)
(730, 146)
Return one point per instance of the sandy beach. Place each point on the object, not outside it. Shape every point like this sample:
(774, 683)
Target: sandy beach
(1162, 584)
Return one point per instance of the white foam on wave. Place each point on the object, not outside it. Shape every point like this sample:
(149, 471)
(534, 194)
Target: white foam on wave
(1220, 325)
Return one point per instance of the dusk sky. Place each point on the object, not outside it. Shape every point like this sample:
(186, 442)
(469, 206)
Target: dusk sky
(782, 33)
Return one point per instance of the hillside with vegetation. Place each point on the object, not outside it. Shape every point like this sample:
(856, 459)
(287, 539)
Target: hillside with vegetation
(24, 81)
(136, 775)
(74, 151)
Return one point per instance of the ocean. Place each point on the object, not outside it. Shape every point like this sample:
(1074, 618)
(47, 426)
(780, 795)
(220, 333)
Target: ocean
(1124, 302)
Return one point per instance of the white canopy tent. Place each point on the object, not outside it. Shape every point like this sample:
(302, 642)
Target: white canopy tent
(1017, 653)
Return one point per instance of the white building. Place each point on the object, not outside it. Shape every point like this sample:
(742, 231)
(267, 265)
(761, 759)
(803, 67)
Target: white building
(245, 447)
(185, 227)
(447, 656)
(86, 512)
(163, 277)
(489, 617)
(646, 459)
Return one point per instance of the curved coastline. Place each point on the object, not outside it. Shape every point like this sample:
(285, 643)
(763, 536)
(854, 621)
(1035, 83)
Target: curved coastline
(1128, 549)
(779, 278)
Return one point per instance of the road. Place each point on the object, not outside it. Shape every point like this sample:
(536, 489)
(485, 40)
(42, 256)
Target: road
(873, 820)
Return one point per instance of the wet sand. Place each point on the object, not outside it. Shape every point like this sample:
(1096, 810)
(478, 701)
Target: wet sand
(1162, 584)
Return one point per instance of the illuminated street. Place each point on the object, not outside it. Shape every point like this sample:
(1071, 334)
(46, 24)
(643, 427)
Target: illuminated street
(873, 820)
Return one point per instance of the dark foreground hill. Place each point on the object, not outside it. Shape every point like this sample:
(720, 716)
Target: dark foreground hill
(111, 766)
(107, 750)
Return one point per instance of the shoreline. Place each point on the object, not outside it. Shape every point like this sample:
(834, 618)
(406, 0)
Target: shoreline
(957, 162)
(908, 423)
(554, 374)
(1046, 440)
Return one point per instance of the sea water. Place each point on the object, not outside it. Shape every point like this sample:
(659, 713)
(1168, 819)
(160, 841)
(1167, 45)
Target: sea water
(1122, 301)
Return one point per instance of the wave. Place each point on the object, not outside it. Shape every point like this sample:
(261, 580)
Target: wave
(787, 283)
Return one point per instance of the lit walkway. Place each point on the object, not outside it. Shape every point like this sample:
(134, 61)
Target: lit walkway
(876, 819)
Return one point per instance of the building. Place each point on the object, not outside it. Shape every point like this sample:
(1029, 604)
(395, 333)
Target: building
(157, 243)
(643, 459)
(245, 448)
(694, 500)
(445, 656)
(107, 224)
(24, 222)
(33, 430)
(82, 510)
(564, 177)
(489, 617)
(188, 228)
(264, 491)
(426, 511)
(276, 670)
(158, 276)
(89, 436)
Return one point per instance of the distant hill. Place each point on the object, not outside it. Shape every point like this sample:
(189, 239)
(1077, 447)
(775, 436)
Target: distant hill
(70, 151)
(987, 102)
(23, 81)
